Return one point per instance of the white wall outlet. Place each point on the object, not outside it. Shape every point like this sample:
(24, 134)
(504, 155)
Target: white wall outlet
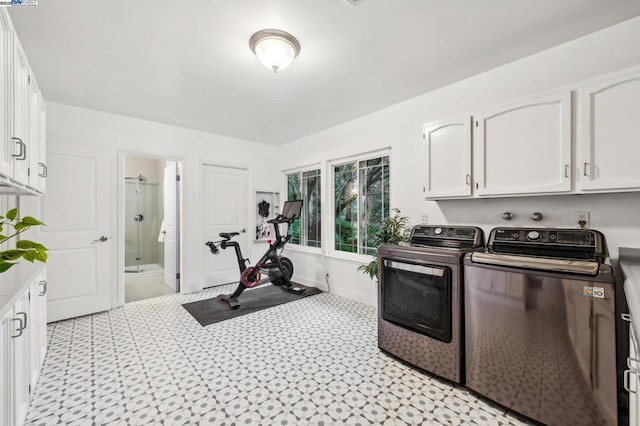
(582, 219)
(424, 218)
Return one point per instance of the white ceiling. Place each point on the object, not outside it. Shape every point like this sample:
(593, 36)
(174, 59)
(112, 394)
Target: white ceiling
(188, 62)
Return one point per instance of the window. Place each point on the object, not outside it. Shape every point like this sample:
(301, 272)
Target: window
(305, 186)
(361, 203)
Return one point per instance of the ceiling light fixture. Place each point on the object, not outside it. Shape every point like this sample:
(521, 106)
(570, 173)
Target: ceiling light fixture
(275, 49)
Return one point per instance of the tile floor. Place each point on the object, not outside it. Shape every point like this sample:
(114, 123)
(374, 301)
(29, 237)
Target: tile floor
(310, 362)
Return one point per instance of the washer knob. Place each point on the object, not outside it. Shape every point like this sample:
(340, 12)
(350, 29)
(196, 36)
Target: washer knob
(437, 231)
(533, 235)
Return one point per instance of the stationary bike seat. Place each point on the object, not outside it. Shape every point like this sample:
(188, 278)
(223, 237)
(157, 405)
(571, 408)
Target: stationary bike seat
(228, 235)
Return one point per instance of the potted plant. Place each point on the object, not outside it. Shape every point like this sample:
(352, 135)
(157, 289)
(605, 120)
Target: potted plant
(393, 230)
(11, 227)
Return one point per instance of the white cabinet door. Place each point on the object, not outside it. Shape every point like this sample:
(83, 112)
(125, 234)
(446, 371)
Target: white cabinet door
(525, 147)
(21, 101)
(6, 53)
(5, 368)
(447, 150)
(42, 169)
(20, 355)
(610, 134)
(33, 156)
(38, 327)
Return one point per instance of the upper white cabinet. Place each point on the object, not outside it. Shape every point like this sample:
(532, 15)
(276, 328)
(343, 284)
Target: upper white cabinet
(447, 151)
(21, 112)
(525, 147)
(22, 147)
(610, 134)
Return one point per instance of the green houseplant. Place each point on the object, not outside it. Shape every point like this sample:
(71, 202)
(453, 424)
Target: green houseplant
(10, 227)
(392, 230)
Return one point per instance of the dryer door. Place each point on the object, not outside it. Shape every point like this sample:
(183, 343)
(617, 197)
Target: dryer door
(417, 296)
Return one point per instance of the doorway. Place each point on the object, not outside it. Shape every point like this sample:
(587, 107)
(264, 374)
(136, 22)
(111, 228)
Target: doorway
(151, 227)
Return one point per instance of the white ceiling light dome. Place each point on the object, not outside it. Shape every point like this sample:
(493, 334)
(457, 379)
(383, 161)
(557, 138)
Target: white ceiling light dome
(275, 49)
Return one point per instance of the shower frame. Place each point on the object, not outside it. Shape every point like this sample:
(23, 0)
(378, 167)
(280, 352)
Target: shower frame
(137, 218)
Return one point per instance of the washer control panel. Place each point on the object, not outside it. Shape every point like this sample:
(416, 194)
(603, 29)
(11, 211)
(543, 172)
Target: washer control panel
(550, 238)
(447, 236)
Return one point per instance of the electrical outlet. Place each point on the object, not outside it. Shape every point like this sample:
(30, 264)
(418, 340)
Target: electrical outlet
(424, 218)
(582, 219)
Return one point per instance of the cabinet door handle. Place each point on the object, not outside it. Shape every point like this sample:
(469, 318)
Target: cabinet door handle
(468, 179)
(566, 170)
(45, 171)
(22, 152)
(19, 329)
(25, 318)
(43, 283)
(628, 373)
(626, 317)
(585, 169)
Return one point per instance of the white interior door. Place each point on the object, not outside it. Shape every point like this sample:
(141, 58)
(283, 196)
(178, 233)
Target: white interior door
(77, 214)
(170, 231)
(225, 210)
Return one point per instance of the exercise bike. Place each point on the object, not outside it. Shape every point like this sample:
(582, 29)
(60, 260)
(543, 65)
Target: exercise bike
(278, 269)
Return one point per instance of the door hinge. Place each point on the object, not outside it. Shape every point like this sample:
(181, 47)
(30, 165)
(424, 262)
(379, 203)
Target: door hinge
(29, 389)
(178, 178)
(178, 276)
(476, 123)
(29, 296)
(591, 325)
(424, 136)
(29, 79)
(28, 171)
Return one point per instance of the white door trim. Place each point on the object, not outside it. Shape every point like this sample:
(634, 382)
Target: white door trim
(118, 291)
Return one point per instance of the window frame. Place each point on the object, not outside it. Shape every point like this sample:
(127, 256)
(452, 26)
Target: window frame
(285, 192)
(331, 214)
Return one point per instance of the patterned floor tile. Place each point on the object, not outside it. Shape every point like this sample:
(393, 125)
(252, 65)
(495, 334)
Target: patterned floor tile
(310, 362)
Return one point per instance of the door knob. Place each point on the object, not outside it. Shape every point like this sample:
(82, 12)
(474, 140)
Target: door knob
(100, 240)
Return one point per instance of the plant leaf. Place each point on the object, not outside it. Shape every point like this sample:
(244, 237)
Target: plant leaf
(25, 244)
(31, 221)
(41, 256)
(10, 255)
(4, 266)
(29, 256)
(12, 214)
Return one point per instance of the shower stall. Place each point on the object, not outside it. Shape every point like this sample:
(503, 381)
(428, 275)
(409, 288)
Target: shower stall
(143, 219)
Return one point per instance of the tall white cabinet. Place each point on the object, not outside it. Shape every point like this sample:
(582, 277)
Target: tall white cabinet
(610, 133)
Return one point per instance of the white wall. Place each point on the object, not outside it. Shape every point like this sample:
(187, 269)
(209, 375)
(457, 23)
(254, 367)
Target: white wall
(110, 134)
(400, 127)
